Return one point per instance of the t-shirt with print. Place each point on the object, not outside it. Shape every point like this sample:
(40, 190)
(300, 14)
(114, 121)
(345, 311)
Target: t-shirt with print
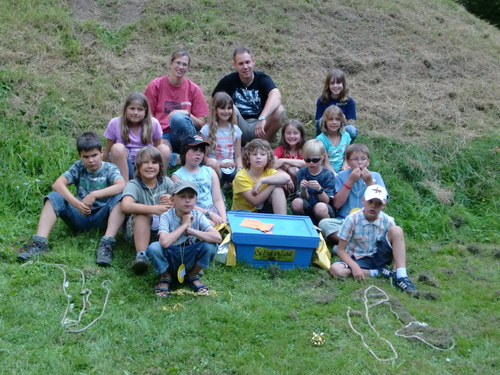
(335, 153)
(250, 100)
(325, 178)
(86, 181)
(164, 98)
(113, 132)
(169, 222)
(356, 193)
(203, 180)
(243, 182)
(362, 235)
(225, 141)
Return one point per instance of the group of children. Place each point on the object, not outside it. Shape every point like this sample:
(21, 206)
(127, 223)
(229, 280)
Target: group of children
(171, 221)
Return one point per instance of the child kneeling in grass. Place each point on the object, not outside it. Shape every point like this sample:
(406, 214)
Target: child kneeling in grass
(177, 252)
(96, 205)
(369, 241)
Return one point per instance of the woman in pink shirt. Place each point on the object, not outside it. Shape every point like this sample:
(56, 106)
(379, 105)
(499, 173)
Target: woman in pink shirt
(177, 102)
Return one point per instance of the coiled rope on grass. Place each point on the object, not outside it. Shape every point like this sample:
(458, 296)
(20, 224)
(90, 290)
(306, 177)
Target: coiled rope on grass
(85, 293)
(418, 328)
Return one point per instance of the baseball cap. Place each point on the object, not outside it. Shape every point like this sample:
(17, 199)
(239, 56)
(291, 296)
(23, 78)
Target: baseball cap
(183, 185)
(194, 140)
(376, 192)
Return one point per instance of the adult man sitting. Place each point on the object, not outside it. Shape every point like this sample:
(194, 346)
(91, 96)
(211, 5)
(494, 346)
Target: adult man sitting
(256, 98)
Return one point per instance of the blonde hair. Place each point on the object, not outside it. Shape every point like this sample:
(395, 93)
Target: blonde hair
(257, 144)
(146, 154)
(329, 112)
(146, 123)
(314, 147)
(220, 100)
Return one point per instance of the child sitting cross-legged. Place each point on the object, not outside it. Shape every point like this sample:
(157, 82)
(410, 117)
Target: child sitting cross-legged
(369, 240)
(316, 184)
(188, 242)
(96, 205)
(145, 198)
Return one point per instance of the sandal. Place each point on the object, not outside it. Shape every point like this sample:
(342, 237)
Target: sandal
(162, 289)
(197, 287)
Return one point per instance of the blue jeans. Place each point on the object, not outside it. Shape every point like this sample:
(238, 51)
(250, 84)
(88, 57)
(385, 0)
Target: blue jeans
(351, 129)
(169, 259)
(75, 220)
(181, 126)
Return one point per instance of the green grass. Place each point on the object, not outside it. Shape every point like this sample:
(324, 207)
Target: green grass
(423, 76)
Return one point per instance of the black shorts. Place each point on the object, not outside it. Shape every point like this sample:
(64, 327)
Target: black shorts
(309, 210)
(382, 257)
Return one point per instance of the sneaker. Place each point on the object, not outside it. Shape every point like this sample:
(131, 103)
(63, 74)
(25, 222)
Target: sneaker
(104, 253)
(385, 272)
(140, 264)
(35, 248)
(405, 284)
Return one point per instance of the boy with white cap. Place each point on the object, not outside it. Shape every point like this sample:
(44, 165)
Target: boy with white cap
(369, 241)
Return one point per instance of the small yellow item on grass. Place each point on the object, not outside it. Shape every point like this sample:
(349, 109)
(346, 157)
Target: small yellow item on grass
(318, 339)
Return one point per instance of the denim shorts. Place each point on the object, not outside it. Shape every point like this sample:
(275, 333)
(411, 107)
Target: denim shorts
(169, 259)
(75, 220)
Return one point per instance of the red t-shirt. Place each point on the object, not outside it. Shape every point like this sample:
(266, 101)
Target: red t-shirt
(164, 98)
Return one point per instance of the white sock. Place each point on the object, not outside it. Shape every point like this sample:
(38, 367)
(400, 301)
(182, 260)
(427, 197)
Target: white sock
(373, 273)
(401, 272)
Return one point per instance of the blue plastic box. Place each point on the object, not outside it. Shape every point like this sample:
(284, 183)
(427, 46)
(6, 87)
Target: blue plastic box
(291, 243)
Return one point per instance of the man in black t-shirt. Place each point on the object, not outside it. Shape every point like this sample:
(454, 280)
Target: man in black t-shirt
(256, 98)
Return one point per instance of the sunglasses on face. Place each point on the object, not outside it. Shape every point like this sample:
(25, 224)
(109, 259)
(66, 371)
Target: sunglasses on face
(312, 160)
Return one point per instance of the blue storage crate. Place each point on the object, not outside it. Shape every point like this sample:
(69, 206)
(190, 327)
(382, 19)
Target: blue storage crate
(291, 243)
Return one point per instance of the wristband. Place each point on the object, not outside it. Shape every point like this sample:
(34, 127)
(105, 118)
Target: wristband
(347, 187)
(207, 214)
(320, 191)
(261, 118)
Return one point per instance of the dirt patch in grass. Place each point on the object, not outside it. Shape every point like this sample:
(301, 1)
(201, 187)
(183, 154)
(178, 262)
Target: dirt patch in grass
(110, 13)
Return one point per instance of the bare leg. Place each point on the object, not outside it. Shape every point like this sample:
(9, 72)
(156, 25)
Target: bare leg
(47, 220)
(214, 164)
(142, 232)
(321, 211)
(165, 154)
(119, 157)
(397, 240)
(273, 123)
(115, 221)
(278, 201)
(339, 270)
(297, 206)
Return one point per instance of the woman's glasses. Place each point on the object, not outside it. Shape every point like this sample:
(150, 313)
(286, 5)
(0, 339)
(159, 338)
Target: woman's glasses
(312, 160)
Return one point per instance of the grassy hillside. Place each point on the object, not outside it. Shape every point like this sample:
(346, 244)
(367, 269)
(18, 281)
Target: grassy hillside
(425, 78)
